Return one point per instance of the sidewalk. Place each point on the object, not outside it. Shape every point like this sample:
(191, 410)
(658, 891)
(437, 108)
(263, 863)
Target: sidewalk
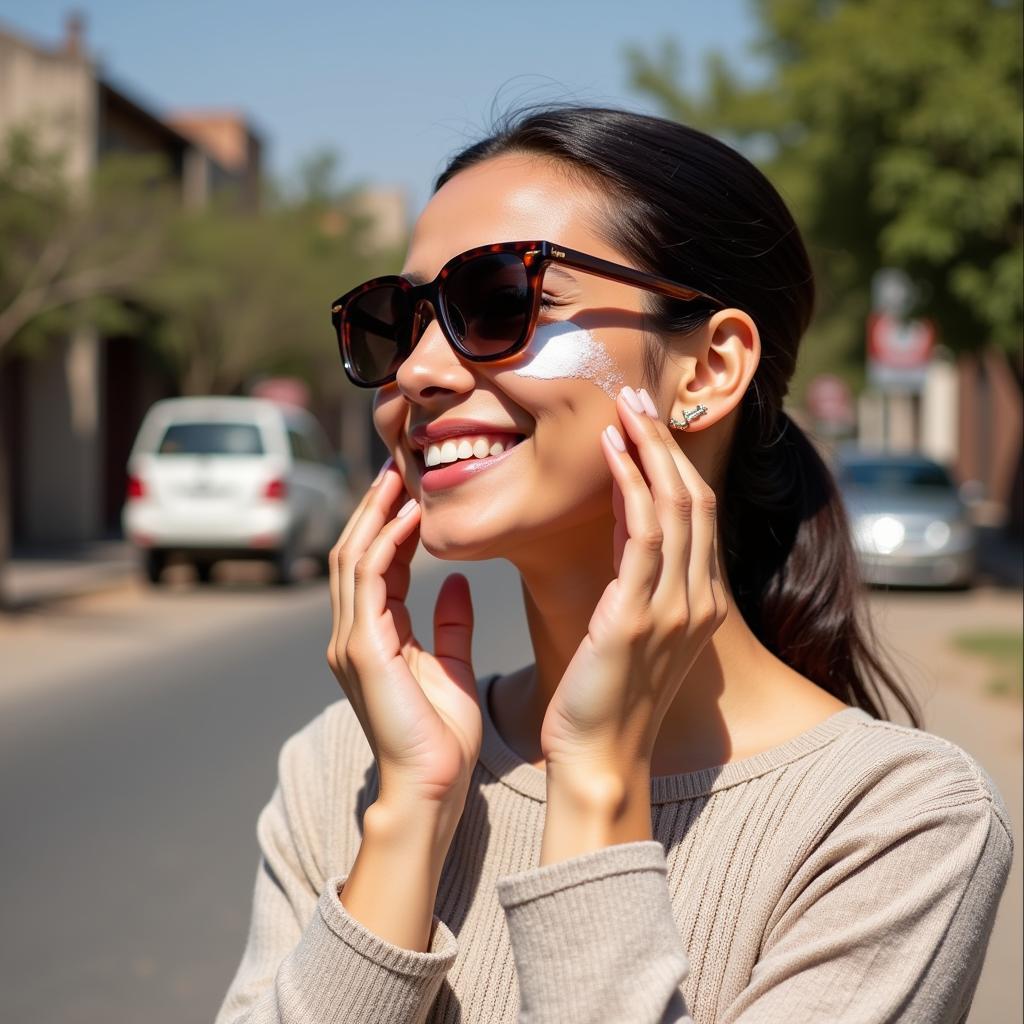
(39, 575)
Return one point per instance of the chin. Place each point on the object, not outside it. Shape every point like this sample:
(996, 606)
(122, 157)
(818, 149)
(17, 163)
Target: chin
(459, 544)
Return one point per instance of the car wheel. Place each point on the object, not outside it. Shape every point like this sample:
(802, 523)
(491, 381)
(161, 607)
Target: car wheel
(283, 563)
(153, 566)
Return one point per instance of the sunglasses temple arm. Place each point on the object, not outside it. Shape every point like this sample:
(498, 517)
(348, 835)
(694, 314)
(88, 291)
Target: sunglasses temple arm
(627, 275)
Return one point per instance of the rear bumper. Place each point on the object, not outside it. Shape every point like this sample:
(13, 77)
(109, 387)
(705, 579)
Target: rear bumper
(254, 530)
(955, 568)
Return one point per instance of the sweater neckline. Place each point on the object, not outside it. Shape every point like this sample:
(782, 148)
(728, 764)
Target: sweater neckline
(527, 779)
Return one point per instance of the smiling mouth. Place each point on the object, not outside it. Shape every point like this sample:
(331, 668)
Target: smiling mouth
(475, 448)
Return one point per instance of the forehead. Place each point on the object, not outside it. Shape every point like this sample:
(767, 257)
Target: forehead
(514, 197)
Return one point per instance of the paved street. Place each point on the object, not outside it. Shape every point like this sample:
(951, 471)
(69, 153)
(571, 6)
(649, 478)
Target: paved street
(138, 739)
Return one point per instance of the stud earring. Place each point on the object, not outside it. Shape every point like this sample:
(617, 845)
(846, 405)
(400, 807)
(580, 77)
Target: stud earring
(684, 423)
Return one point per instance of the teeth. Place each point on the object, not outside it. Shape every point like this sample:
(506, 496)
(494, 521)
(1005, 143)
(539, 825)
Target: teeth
(469, 447)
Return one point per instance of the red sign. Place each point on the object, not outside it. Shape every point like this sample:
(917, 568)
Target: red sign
(902, 344)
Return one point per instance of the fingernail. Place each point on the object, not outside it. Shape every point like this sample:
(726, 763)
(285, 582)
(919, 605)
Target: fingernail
(631, 399)
(615, 437)
(648, 403)
(383, 469)
(407, 508)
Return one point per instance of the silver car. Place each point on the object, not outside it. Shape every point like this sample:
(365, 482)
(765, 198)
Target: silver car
(223, 477)
(910, 525)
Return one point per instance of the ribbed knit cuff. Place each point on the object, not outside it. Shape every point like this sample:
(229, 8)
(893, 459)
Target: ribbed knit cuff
(594, 938)
(363, 977)
(434, 962)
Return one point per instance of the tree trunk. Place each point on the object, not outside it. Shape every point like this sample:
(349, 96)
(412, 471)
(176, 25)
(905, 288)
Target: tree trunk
(6, 599)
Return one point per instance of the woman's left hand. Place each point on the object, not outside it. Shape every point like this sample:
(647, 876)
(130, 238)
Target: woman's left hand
(654, 617)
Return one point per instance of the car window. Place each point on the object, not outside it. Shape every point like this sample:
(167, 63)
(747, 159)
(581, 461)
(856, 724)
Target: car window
(303, 449)
(211, 439)
(895, 475)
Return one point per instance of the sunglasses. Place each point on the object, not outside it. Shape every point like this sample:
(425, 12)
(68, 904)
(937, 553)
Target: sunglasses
(486, 301)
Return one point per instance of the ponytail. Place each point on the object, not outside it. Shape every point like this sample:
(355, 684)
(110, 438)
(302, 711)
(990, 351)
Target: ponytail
(791, 563)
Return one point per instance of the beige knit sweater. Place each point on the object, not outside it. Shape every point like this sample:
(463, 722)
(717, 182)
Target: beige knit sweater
(851, 874)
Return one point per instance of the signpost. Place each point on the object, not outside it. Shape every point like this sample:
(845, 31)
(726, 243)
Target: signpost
(899, 353)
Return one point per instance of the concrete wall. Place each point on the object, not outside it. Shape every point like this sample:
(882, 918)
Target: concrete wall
(54, 91)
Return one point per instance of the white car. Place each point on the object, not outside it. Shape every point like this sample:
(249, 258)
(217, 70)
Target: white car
(222, 477)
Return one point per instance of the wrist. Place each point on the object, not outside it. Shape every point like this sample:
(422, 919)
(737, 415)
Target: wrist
(588, 811)
(412, 821)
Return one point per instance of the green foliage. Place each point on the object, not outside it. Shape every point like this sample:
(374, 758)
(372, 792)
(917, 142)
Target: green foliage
(893, 128)
(1004, 651)
(244, 294)
(227, 294)
(68, 249)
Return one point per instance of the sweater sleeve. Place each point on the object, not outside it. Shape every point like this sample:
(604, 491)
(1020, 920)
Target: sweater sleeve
(306, 959)
(885, 921)
(594, 939)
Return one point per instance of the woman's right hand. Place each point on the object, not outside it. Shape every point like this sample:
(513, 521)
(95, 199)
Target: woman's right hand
(420, 711)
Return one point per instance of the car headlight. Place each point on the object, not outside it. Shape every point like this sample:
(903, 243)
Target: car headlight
(937, 533)
(887, 534)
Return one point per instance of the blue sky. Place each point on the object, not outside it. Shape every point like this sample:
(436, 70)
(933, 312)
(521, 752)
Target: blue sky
(395, 86)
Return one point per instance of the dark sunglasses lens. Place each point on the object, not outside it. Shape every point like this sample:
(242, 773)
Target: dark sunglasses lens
(488, 302)
(377, 326)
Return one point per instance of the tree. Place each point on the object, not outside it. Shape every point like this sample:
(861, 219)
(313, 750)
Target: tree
(894, 130)
(69, 251)
(242, 294)
(62, 245)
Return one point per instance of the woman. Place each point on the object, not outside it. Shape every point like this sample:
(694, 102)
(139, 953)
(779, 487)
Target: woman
(688, 806)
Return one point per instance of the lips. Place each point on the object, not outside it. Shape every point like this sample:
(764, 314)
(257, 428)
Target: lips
(445, 475)
(441, 430)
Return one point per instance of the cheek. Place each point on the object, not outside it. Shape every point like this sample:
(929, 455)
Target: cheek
(565, 351)
(388, 416)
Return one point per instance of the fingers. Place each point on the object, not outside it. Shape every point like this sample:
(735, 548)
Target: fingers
(673, 503)
(638, 536)
(683, 506)
(453, 623)
(378, 505)
(371, 600)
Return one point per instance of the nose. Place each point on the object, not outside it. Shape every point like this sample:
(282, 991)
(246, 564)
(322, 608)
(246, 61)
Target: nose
(433, 368)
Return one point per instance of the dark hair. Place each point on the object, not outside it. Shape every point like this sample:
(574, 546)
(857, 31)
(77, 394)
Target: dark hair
(684, 205)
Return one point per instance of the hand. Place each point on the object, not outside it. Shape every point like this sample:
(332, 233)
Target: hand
(420, 711)
(654, 617)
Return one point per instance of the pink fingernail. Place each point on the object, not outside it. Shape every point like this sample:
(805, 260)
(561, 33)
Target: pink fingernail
(407, 508)
(615, 437)
(383, 469)
(632, 400)
(648, 403)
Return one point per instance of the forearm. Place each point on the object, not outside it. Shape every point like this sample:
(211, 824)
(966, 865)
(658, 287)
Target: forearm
(591, 810)
(393, 882)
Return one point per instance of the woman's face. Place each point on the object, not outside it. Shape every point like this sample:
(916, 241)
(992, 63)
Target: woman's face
(553, 487)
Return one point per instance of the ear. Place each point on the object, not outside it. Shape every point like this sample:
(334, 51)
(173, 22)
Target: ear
(717, 369)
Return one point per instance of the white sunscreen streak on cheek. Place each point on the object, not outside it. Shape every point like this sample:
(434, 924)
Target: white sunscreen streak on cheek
(565, 350)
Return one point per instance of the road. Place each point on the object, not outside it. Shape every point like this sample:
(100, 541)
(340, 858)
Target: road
(139, 732)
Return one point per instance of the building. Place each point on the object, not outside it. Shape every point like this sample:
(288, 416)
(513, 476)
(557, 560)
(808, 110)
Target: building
(69, 415)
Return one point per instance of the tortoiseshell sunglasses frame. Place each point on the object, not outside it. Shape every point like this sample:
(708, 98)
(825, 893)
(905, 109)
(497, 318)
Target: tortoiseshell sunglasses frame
(535, 256)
